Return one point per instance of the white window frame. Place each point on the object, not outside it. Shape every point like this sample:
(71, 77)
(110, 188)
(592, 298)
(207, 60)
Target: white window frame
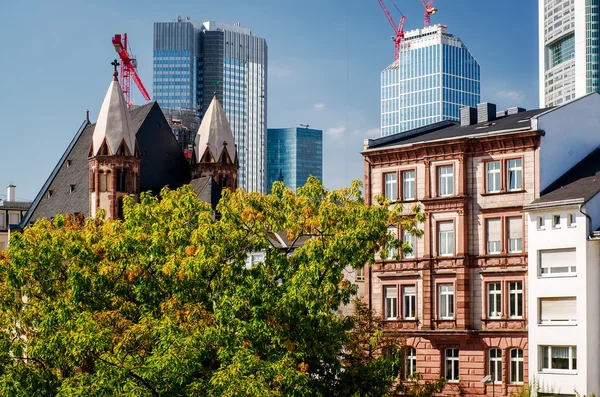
(495, 365)
(571, 220)
(412, 240)
(410, 359)
(390, 303)
(493, 247)
(557, 271)
(446, 301)
(408, 185)
(570, 319)
(390, 188)
(541, 223)
(392, 251)
(445, 180)
(452, 364)
(517, 366)
(2, 220)
(360, 274)
(493, 174)
(515, 294)
(445, 240)
(547, 366)
(515, 245)
(556, 221)
(409, 302)
(494, 299)
(12, 216)
(514, 166)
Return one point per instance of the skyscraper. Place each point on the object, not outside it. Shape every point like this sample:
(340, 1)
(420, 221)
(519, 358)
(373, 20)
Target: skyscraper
(292, 155)
(194, 61)
(569, 49)
(434, 76)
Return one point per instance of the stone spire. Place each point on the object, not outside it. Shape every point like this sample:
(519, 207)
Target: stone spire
(214, 137)
(114, 125)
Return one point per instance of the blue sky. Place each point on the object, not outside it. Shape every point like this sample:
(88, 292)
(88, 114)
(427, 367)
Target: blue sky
(325, 57)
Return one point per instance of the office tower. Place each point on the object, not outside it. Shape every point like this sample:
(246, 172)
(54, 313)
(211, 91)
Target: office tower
(194, 61)
(434, 76)
(292, 155)
(569, 49)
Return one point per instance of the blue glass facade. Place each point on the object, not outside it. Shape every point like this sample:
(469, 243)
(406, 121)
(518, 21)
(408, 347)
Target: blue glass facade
(193, 62)
(433, 78)
(293, 154)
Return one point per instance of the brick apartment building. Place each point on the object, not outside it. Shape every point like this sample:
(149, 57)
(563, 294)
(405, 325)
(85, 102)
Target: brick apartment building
(459, 299)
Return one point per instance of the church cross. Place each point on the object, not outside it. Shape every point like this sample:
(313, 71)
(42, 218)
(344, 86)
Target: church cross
(115, 63)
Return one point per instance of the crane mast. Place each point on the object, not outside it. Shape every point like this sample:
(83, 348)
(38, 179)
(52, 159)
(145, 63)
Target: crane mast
(128, 69)
(398, 29)
(429, 9)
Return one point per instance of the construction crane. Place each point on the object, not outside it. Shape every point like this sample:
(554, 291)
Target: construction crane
(429, 9)
(128, 69)
(398, 29)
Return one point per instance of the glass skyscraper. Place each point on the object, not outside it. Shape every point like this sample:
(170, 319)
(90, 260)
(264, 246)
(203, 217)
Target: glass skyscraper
(434, 77)
(292, 155)
(569, 49)
(195, 61)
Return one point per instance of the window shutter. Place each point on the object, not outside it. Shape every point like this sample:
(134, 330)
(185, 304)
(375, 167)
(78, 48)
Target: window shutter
(562, 309)
(409, 290)
(515, 227)
(493, 229)
(445, 226)
(390, 292)
(557, 258)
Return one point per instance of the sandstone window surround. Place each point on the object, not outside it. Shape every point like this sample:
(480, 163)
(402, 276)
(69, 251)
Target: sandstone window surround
(516, 366)
(400, 185)
(503, 175)
(504, 298)
(445, 237)
(445, 301)
(495, 365)
(503, 234)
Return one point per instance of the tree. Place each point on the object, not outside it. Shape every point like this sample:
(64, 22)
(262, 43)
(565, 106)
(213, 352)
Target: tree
(163, 304)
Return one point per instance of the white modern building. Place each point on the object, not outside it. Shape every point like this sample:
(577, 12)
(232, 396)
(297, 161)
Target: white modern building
(564, 279)
(11, 213)
(569, 50)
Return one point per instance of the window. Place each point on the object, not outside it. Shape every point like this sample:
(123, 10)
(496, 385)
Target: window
(514, 174)
(556, 221)
(360, 274)
(71, 188)
(496, 365)
(408, 185)
(390, 296)
(412, 241)
(558, 310)
(445, 238)
(557, 262)
(446, 301)
(494, 293)
(411, 362)
(558, 357)
(541, 223)
(515, 235)
(409, 301)
(392, 251)
(516, 366)
(492, 177)
(571, 220)
(13, 219)
(445, 180)
(451, 365)
(391, 187)
(2, 221)
(515, 299)
(494, 236)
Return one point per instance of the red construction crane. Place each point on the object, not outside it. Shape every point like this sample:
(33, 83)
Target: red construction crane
(429, 9)
(398, 30)
(128, 69)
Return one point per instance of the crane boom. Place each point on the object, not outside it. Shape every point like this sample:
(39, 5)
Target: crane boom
(398, 29)
(429, 9)
(128, 69)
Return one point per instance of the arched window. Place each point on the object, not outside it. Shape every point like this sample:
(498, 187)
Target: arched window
(101, 181)
(120, 208)
(516, 366)
(496, 365)
(410, 359)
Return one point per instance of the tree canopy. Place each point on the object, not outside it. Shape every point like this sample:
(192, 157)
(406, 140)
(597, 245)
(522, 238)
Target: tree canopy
(162, 303)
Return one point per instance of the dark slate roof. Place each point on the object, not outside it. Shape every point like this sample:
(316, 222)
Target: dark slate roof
(580, 182)
(207, 190)
(450, 130)
(163, 164)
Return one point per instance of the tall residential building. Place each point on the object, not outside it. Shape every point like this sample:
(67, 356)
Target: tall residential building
(569, 49)
(292, 155)
(193, 61)
(434, 76)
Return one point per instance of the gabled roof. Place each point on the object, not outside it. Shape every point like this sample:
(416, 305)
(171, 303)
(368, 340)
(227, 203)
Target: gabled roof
(214, 135)
(114, 126)
(446, 130)
(67, 189)
(582, 182)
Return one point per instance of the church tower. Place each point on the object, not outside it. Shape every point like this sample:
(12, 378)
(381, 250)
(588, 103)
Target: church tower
(114, 160)
(215, 154)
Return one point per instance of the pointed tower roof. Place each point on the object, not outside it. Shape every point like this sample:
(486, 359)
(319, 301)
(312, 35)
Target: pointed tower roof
(114, 124)
(215, 134)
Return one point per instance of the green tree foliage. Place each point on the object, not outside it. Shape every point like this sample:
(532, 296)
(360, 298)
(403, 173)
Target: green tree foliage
(163, 304)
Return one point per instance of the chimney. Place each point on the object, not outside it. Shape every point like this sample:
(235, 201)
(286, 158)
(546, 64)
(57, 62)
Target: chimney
(501, 113)
(486, 112)
(515, 110)
(10, 193)
(87, 115)
(468, 116)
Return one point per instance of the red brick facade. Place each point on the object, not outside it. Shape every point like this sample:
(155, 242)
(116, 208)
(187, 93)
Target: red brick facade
(457, 271)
